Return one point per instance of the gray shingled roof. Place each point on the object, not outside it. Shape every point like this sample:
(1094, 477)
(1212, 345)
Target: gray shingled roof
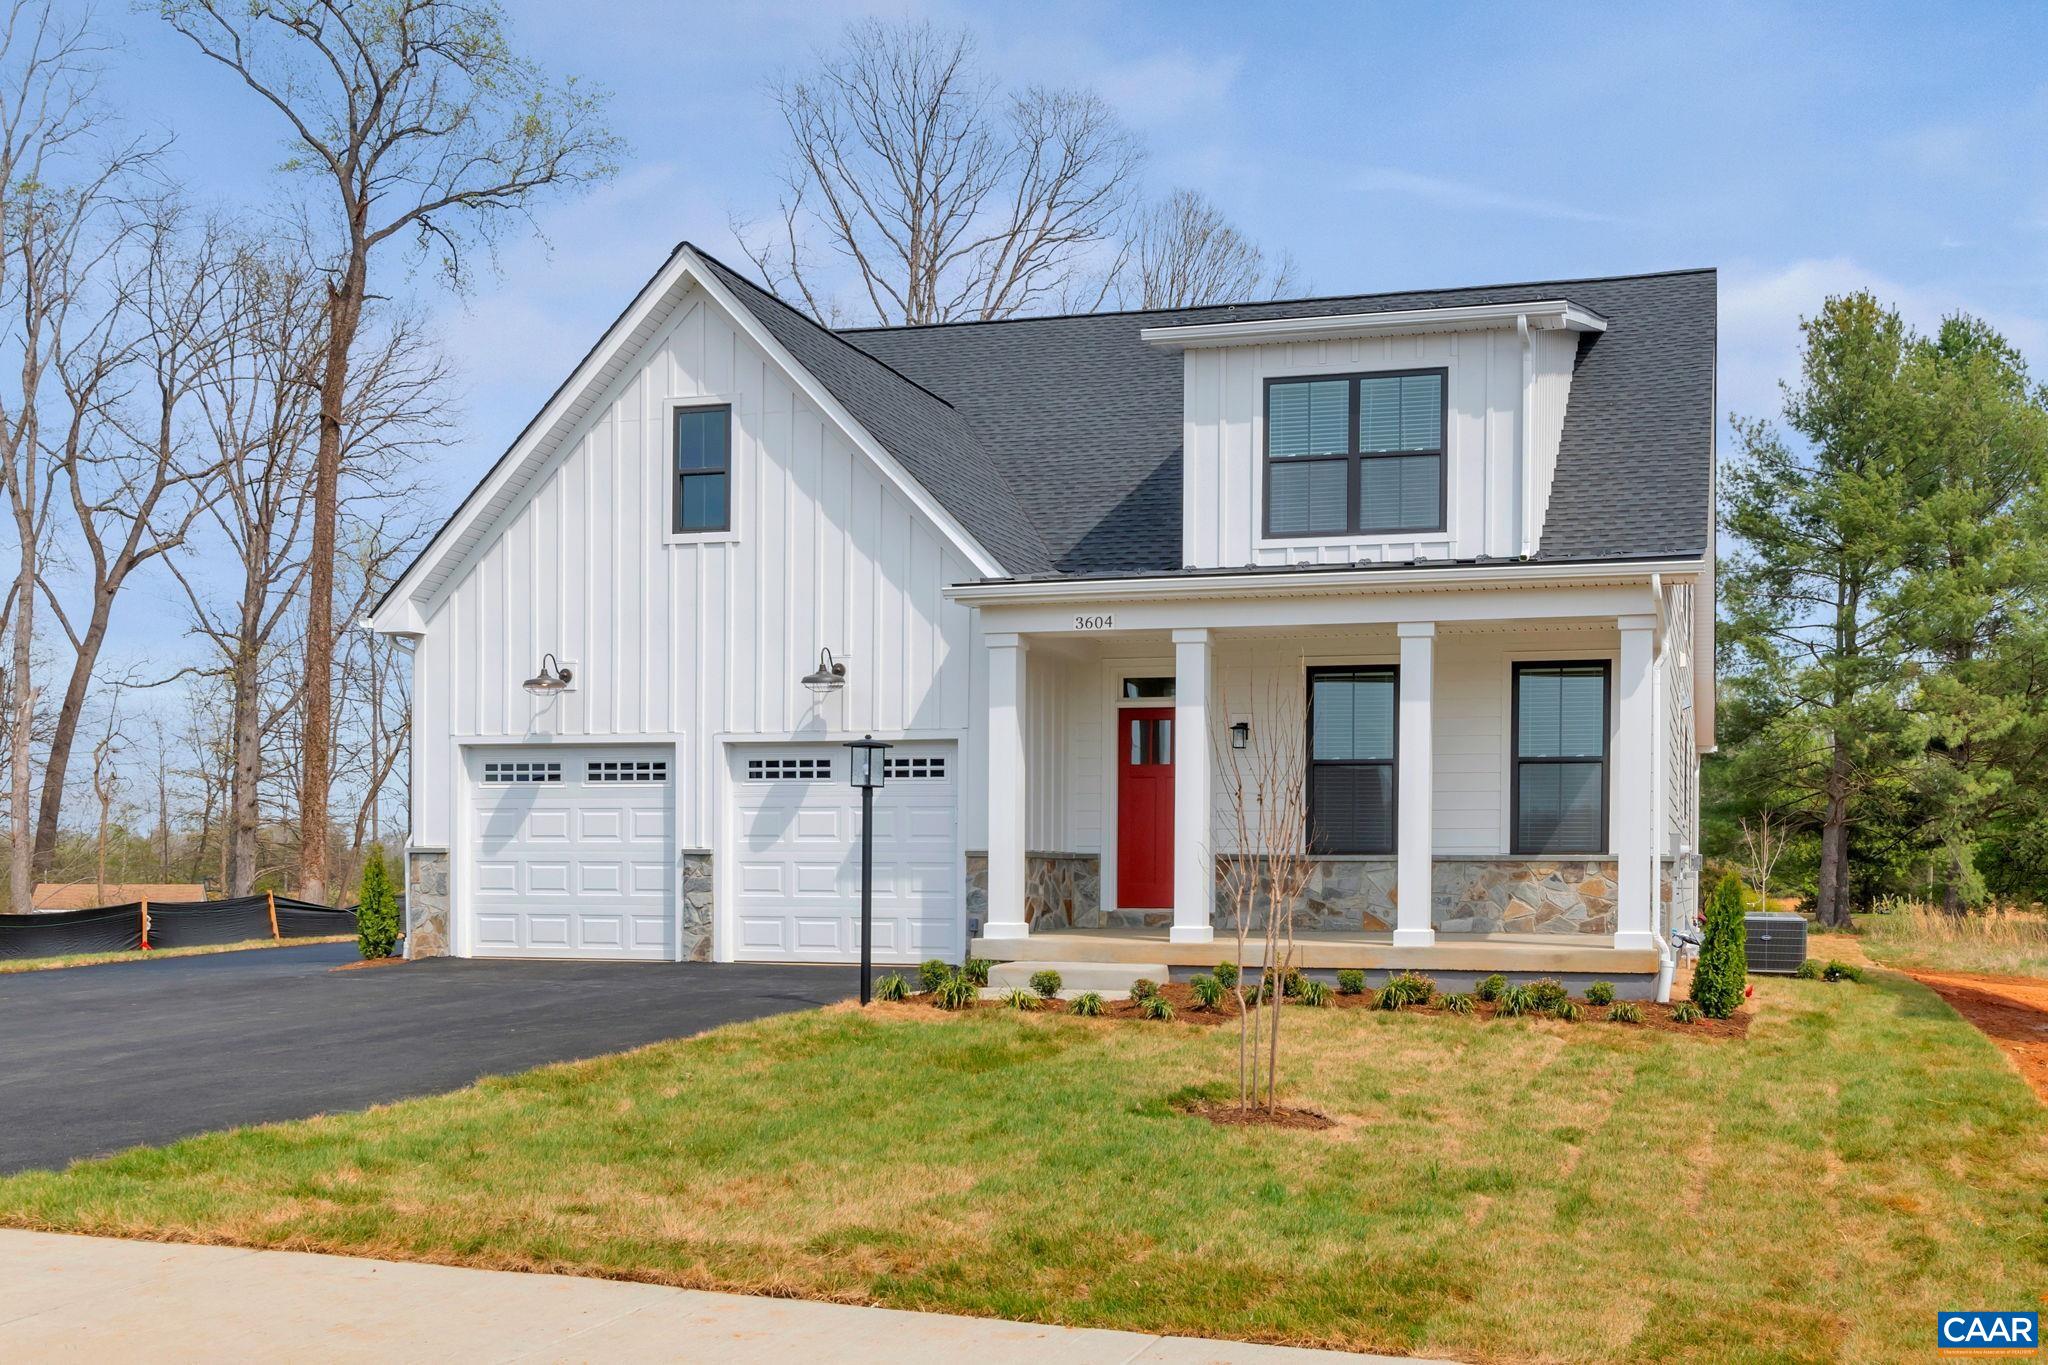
(1056, 441)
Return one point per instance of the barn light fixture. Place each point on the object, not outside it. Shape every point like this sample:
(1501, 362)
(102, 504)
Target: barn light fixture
(1240, 734)
(830, 677)
(551, 679)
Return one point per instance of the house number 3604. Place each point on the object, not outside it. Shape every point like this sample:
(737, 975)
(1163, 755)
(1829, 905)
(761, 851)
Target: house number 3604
(1093, 622)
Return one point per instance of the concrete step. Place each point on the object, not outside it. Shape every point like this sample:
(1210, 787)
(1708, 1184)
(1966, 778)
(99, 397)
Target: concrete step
(1110, 980)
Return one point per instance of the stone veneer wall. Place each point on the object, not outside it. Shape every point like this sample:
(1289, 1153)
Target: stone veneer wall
(426, 902)
(1061, 890)
(694, 873)
(1470, 895)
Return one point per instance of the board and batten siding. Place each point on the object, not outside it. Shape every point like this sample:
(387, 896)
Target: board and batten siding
(691, 640)
(1222, 490)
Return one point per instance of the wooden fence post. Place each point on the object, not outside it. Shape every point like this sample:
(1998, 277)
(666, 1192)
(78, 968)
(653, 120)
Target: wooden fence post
(271, 896)
(145, 924)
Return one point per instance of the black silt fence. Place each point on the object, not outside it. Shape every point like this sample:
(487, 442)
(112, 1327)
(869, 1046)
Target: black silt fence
(303, 919)
(105, 929)
(201, 924)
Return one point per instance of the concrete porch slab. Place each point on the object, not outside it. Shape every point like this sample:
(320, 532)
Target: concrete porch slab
(1540, 954)
(1111, 979)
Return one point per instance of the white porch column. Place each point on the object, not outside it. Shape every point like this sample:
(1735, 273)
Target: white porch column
(1415, 836)
(1194, 861)
(1007, 783)
(1633, 824)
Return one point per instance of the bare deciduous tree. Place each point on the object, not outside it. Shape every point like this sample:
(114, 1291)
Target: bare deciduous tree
(1183, 253)
(1763, 843)
(422, 122)
(1264, 874)
(948, 198)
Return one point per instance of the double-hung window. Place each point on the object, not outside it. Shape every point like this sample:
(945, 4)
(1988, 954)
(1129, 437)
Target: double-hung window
(1351, 759)
(1355, 454)
(1560, 789)
(703, 470)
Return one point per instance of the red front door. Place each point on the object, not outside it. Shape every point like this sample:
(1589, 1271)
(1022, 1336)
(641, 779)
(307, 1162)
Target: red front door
(1144, 809)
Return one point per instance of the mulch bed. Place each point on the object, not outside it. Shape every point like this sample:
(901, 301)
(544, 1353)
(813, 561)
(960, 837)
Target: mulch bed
(369, 962)
(1187, 1011)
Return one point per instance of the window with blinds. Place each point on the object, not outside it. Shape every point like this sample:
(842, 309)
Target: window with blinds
(1352, 757)
(1355, 454)
(1560, 785)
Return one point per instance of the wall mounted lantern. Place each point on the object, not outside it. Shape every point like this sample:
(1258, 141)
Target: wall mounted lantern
(830, 675)
(551, 679)
(1240, 734)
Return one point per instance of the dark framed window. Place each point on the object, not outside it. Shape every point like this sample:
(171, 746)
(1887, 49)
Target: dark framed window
(703, 455)
(1560, 783)
(1356, 454)
(1353, 751)
(1144, 689)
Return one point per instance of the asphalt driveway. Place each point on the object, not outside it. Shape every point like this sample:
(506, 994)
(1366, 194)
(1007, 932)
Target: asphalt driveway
(93, 1059)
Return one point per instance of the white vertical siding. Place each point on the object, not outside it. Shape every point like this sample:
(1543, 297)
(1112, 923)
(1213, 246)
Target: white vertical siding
(690, 640)
(1223, 442)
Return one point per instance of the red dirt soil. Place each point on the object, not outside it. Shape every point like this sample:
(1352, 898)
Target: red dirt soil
(2012, 1011)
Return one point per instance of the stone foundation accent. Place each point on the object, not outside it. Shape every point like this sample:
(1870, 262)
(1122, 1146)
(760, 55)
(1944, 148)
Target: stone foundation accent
(426, 902)
(1523, 895)
(1469, 895)
(694, 876)
(1061, 890)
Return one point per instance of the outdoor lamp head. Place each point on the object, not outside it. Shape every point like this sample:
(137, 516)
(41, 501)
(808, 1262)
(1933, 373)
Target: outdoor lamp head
(829, 677)
(551, 679)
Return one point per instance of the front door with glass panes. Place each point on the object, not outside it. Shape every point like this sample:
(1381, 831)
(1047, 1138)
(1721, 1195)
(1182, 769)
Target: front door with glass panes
(1144, 794)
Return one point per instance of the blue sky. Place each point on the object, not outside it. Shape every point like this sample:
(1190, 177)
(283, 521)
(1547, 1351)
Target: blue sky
(1801, 149)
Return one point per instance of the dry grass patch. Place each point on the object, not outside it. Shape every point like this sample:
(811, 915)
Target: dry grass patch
(1495, 1189)
(1999, 941)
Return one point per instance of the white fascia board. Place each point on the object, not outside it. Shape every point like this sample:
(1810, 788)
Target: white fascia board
(905, 482)
(1548, 315)
(1280, 583)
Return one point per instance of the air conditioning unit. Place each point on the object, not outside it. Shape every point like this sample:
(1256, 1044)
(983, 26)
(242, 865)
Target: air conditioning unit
(1776, 941)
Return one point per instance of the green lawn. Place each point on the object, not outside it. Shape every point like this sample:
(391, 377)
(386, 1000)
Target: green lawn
(45, 964)
(1499, 1190)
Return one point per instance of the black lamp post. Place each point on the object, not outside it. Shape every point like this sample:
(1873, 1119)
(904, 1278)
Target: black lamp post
(867, 773)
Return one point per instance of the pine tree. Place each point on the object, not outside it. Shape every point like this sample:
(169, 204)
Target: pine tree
(377, 908)
(1722, 972)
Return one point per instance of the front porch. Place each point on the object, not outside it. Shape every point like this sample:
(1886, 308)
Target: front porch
(1091, 858)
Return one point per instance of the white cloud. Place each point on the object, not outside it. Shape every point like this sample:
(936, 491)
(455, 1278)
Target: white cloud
(1761, 308)
(1461, 194)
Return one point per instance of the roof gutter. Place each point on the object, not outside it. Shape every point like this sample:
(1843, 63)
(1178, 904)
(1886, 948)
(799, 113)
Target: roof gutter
(1462, 577)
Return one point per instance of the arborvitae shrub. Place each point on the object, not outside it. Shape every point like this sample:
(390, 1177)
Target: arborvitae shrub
(377, 908)
(1723, 968)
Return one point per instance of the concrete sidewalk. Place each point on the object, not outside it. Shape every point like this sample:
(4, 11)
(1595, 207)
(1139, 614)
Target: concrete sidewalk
(101, 1299)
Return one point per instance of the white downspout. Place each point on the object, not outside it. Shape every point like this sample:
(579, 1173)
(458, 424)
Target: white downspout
(1525, 441)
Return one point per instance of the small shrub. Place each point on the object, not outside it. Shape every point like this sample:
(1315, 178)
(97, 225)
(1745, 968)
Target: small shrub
(1413, 987)
(933, 973)
(1291, 982)
(1351, 981)
(1226, 972)
(1460, 1004)
(1492, 988)
(1723, 969)
(1020, 999)
(1626, 1012)
(1568, 1010)
(1046, 983)
(1809, 970)
(1315, 994)
(1516, 1001)
(1388, 997)
(1842, 971)
(376, 908)
(1155, 1007)
(976, 970)
(1686, 1012)
(1087, 1004)
(1144, 988)
(1600, 993)
(1547, 994)
(956, 992)
(1208, 991)
(892, 987)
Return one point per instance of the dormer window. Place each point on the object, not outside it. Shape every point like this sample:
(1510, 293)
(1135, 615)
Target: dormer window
(1358, 454)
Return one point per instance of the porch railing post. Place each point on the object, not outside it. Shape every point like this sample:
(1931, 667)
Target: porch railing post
(1194, 862)
(1008, 784)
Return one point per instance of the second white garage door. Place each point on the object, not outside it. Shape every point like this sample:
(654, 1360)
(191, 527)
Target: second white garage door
(796, 858)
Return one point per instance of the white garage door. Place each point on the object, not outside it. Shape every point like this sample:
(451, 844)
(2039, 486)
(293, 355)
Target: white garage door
(796, 863)
(574, 853)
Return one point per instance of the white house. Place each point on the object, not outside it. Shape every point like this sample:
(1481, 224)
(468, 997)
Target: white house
(1454, 546)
